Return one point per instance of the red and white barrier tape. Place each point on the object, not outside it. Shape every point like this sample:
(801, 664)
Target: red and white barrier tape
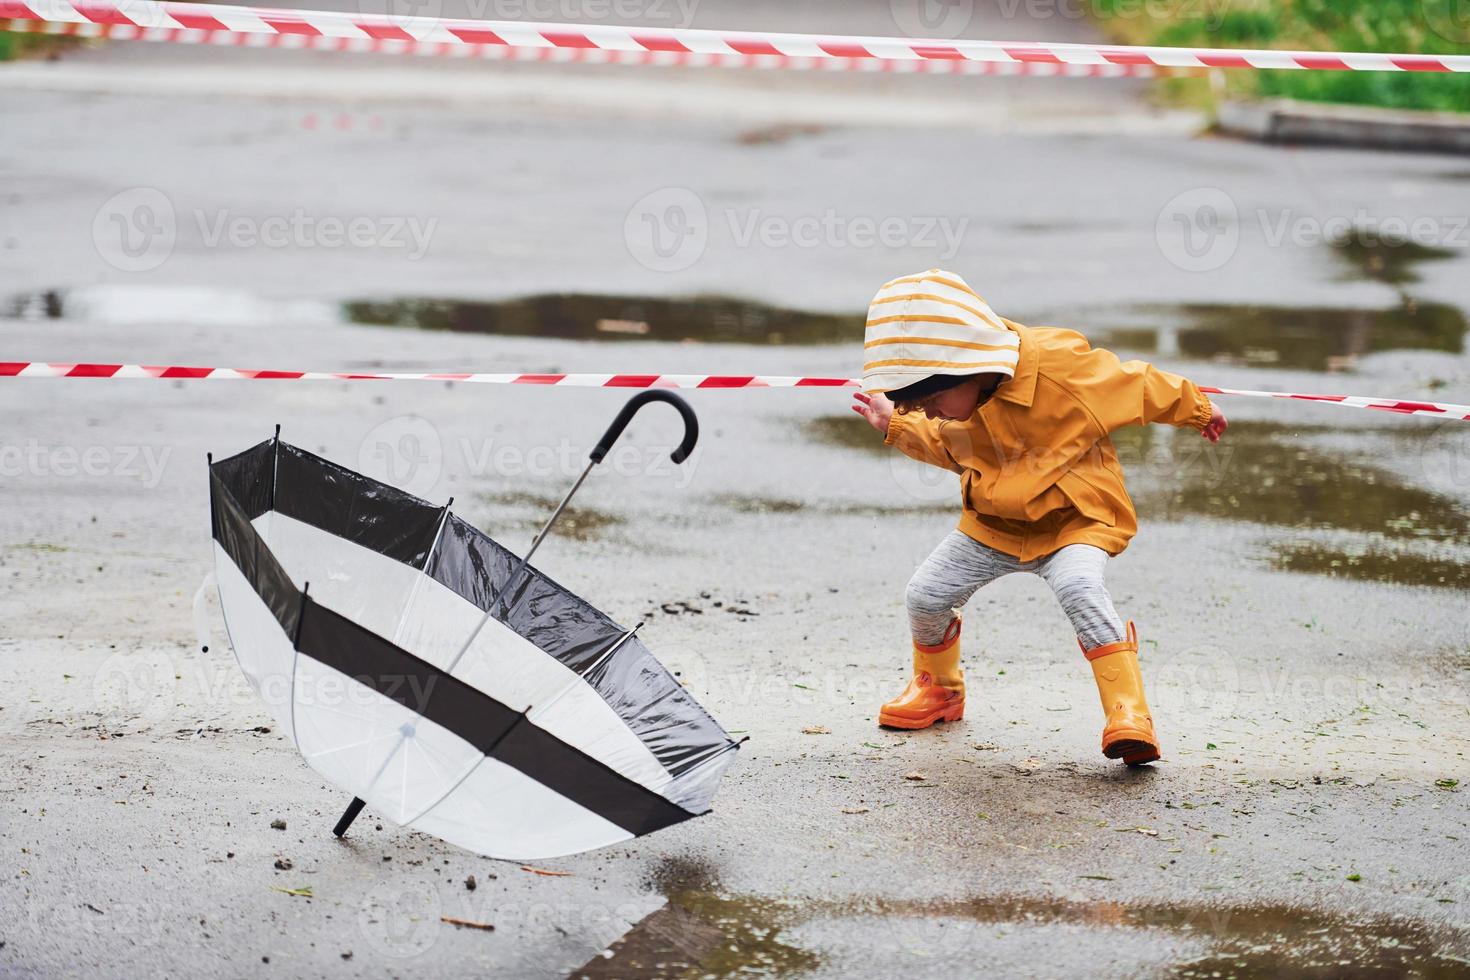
(45, 369)
(597, 56)
(338, 29)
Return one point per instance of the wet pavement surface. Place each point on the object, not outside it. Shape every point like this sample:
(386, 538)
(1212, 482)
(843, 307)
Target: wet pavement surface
(704, 931)
(1300, 589)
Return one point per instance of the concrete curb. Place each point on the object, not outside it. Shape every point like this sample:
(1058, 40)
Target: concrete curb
(1291, 121)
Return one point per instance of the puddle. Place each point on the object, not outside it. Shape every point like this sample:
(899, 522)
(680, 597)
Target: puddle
(1312, 338)
(702, 933)
(847, 431)
(706, 932)
(757, 504)
(1371, 564)
(1272, 474)
(529, 511)
(133, 305)
(1302, 338)
(592, 317)
(1249, 940)
(1269, 473)
(1386, 257)
(709, 319)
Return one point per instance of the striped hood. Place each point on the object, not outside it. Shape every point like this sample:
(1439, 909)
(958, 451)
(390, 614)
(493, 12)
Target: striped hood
(933, 323)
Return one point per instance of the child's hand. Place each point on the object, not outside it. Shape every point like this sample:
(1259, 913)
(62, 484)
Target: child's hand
(1216, 427)
(877, 409)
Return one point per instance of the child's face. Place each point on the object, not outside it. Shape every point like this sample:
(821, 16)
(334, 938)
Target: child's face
(956, 403)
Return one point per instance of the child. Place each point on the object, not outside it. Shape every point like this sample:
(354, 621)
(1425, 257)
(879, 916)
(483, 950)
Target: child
(1023, 415)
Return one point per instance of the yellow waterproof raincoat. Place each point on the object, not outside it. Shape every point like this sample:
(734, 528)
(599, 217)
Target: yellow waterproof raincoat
(1038, 469)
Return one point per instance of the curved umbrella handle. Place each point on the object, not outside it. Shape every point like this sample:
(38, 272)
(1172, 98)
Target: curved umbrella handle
(691, 424)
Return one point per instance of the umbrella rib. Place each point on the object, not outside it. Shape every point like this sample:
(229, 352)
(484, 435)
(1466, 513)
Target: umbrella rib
(582, 677)
(352, 745)
(519, 569)
(468, 772)
(296, 638)
(427, 757)
(447, 793)
(386, 759)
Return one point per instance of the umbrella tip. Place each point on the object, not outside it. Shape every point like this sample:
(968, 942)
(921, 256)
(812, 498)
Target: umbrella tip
(449, 503)
(209, 458)
(278, 430)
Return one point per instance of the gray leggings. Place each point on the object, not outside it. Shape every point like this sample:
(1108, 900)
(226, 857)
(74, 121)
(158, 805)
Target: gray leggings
(961, 565)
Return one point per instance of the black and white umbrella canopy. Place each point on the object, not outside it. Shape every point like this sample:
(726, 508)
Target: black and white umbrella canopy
(361, 615)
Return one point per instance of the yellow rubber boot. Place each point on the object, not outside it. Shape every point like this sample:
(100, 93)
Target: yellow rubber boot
(1129, 731)
(937, 690)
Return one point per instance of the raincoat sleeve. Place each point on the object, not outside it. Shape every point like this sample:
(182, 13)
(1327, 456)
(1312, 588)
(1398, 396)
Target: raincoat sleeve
(921, 439)
(1121, 393)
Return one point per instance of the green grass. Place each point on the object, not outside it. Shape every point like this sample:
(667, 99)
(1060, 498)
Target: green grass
(22, 45)
(1407, 26)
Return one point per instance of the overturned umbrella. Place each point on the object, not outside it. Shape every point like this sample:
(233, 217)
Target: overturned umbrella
(442, 681)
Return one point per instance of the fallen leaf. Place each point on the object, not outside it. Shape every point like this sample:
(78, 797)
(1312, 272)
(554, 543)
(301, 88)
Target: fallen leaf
(544, 872)
(1096, 877)
(304, 892)
(915, 776)
(854, 809)
(467, 923)
(1145, 831)
(816, 730)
